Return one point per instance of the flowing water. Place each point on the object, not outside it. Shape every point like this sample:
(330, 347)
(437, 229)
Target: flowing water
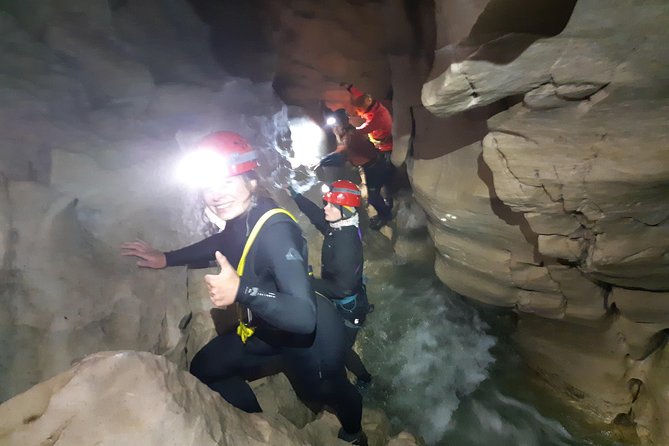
(446, 370)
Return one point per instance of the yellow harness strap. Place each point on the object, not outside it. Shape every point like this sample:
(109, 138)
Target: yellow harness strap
(243, 330)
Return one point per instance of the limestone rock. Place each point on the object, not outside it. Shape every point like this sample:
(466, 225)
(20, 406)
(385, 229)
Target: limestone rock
(641, 306)
(581, 166)
(505, 55)
(543, 97)
(410, 239)
(479, 243)
(601, 349)
(597, 187)
(109, 74)
(651, 390)
(133, 398)
(81, 181)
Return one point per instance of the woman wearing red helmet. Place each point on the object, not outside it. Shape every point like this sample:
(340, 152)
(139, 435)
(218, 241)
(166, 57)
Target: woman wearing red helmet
(353, 146)
(341, 261)
(262, 256)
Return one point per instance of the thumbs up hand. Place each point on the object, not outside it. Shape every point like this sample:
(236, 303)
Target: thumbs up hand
(224, 285)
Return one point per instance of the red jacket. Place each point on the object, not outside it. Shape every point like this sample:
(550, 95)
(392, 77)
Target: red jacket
(359, 151)
(378, 123)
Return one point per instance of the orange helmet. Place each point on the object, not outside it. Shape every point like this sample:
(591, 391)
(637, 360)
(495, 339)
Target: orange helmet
(344, 193)
(238, 155)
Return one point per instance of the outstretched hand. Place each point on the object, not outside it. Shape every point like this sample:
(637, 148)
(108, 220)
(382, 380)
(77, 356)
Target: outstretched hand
(224, 285)
(149, 257)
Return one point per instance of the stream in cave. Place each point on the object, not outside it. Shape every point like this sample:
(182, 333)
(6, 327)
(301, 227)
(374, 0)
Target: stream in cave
(446, 369)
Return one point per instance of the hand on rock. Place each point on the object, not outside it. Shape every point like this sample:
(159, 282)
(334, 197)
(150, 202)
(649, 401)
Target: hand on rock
(149, 257)
(223, 286)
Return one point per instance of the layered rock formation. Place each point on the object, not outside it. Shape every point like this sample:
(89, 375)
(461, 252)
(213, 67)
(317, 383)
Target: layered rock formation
(558, 206)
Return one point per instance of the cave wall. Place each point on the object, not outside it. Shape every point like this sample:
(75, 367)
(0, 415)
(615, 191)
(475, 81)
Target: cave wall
(559, 208)
(533, 135)
(98, 101)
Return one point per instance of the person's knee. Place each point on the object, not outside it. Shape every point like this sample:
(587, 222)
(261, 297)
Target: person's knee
(217, 359)
(198, 366)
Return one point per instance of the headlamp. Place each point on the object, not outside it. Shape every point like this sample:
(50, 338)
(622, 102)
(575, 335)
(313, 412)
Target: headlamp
(331, 121)
(202, 168)
(308, 141)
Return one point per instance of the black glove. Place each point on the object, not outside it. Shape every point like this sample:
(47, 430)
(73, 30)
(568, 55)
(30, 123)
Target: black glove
(334, 159)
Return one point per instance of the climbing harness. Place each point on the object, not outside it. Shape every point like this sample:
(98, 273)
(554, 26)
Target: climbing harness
(346, 300)
(244, 330)
(353, 319)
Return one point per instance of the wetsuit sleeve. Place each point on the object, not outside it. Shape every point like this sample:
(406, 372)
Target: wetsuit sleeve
(198, 254)
(333, 159)
(313, 213)
(293, 306)
(343, 273)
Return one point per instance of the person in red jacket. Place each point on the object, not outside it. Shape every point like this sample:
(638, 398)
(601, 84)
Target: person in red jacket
(378, 127)
(352, 146)
(375, 169)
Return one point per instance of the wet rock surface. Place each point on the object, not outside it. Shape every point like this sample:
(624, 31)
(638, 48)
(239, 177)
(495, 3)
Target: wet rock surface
(560, 205)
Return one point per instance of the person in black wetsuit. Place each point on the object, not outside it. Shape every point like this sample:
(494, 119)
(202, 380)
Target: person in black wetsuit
(341, 262)
(354, 147)
(283, 317)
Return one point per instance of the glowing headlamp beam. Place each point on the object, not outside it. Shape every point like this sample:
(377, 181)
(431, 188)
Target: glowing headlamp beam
(202, 168)
(308, 139)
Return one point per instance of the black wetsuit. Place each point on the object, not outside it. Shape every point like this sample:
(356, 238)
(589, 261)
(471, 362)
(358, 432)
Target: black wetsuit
(291, 323)
(379, 174)
(341, 276)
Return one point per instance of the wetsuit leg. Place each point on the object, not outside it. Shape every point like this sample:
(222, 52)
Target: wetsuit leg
(353, 362)
(223, 363)
(378, 175)
(329, 387)
(320, 370)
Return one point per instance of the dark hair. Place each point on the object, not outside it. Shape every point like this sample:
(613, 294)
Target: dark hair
(341, 116)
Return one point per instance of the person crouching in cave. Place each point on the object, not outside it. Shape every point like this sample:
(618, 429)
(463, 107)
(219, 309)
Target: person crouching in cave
(378, 126)
(262, 257)
(342, 262)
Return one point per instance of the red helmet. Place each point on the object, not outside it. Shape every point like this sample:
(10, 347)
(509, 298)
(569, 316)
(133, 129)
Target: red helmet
(343, 192)
(238, 155)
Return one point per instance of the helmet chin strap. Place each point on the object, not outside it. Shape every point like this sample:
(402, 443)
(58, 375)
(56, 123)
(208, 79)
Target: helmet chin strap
(341, 212)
